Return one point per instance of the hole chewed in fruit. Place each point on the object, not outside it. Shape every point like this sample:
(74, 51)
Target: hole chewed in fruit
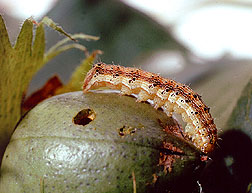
(126, 130)
(84, 117)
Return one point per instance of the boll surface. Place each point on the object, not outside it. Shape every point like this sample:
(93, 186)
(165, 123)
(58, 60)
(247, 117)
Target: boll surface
(94, 142)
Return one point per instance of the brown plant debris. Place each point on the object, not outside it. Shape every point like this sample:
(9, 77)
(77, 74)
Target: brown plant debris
(167, 159)
(134, 182)
(155, 178)
(175, 129)
(45, 92)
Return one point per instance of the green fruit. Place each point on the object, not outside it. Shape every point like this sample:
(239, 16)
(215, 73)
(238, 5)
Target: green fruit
(97, 142)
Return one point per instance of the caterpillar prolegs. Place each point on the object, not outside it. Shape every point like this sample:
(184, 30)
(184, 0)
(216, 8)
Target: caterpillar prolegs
(168, 94)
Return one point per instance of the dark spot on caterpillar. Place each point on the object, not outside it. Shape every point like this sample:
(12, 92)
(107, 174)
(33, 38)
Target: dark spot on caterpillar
(210, 121)
(150, 80)
(206, 109)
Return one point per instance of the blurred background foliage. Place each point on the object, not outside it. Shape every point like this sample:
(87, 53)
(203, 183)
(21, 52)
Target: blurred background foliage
(201, 43)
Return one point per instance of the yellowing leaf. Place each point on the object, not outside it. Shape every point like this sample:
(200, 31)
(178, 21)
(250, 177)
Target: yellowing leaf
(17, 68)
(19, 64)
(54, 86)
(76, 80)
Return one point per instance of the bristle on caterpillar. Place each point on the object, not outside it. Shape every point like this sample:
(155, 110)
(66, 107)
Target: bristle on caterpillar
(165, 93)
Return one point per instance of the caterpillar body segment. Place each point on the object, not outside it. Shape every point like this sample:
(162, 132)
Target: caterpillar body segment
(165, 93)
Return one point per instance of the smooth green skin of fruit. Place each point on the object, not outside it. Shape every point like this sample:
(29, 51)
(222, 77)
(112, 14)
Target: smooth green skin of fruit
(49, 153)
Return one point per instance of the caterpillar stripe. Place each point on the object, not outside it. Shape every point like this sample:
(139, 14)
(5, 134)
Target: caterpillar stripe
(168, 94)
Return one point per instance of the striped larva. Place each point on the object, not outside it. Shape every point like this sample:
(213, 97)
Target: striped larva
(165, 93)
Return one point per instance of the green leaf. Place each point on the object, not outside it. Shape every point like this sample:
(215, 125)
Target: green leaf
(53, 25)
(232, 160)
(61, 47)
(241, 117)
(222, 87)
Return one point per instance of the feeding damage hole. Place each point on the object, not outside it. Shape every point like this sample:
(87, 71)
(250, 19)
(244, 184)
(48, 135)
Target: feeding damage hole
(126, 130)
(84, 117)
